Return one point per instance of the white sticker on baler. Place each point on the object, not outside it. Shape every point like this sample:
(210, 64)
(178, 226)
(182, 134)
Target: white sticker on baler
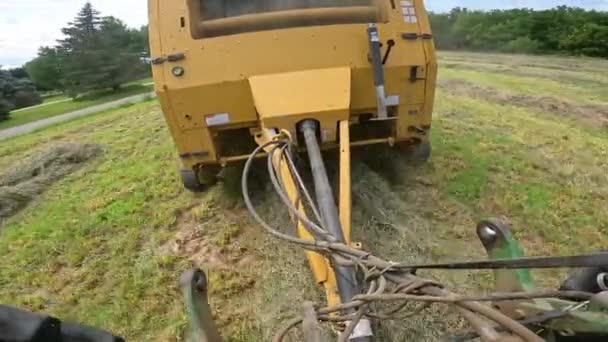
(217, 119)
(408, 11)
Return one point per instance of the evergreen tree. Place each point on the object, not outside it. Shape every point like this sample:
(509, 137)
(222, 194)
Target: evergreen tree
(18, 72)
(81, 54)
(5, 87)
(121, 59)
(16, 93)
(98, 53)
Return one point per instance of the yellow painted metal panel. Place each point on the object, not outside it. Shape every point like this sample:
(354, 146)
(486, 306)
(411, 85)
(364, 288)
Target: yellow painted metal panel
(154, 38)
(232, 98)
(283, 100)
(345, 181)
(218, 69)
(301, 92)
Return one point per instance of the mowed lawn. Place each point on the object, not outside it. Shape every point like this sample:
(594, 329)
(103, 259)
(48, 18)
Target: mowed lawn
(522, 138)
(61, 104)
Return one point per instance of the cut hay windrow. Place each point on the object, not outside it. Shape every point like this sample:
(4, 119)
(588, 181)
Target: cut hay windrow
(589, 113)
(23, 182)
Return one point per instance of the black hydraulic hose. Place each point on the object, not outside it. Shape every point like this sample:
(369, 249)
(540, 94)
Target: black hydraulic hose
(245, 187)
(310, 226)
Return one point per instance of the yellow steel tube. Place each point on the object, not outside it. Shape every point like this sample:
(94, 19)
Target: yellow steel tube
(241, 158)
(345, 181)
(227, 160)
(389, 141)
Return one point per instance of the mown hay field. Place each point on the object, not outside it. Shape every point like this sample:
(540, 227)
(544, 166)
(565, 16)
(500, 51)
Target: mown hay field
(518, 137)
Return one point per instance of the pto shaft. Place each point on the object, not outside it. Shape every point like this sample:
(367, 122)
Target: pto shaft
(345, 276)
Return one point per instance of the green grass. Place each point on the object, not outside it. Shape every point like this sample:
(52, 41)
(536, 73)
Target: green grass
(106, 245)
(549, 175)
(53, 109)
(577, 93)
(143, 81)
(55, 98)
(98, 220)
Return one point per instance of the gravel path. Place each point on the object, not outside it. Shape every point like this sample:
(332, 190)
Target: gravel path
(41, 105)
(32, 126)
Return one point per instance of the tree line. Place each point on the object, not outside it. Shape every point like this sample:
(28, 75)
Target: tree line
(561, 30)
(96, 53)
(101, 52)
(16, 91)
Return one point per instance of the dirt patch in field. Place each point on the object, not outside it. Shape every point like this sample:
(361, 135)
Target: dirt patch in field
(593, 114)
(213, 241)
(23, 182)
(192, 243)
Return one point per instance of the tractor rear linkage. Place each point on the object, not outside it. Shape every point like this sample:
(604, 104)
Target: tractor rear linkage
(547, 313)
(552, 318)
(518, 312)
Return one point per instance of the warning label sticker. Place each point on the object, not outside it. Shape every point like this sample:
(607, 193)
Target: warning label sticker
(217, 119)
(408, 11)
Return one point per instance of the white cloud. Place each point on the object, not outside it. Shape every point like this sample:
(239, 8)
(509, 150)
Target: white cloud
(25, 25)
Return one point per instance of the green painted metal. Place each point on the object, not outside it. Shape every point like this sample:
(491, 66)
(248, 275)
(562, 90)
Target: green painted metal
(581, 318)
(202, 327)
(506, 247)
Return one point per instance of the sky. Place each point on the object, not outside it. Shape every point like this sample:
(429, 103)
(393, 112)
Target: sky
(25, 25)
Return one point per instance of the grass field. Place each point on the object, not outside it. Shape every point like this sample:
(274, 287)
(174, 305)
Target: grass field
(58, 105)
(54, 98)
(522, 138)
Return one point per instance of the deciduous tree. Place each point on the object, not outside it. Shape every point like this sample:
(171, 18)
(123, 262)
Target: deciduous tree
(562, 29)
(46, 69)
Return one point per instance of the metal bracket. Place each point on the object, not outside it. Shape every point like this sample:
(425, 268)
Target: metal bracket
(575, 317)
(170, 58)
(374, 47)
(414, 36)
(195, 287)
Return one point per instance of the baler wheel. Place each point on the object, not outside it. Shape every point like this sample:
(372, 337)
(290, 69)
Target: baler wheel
(200, 179)
(417, 153)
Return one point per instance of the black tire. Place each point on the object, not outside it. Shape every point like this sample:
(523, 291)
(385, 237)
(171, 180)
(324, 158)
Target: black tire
(200, 179)
(417, 153)
(190, 181)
